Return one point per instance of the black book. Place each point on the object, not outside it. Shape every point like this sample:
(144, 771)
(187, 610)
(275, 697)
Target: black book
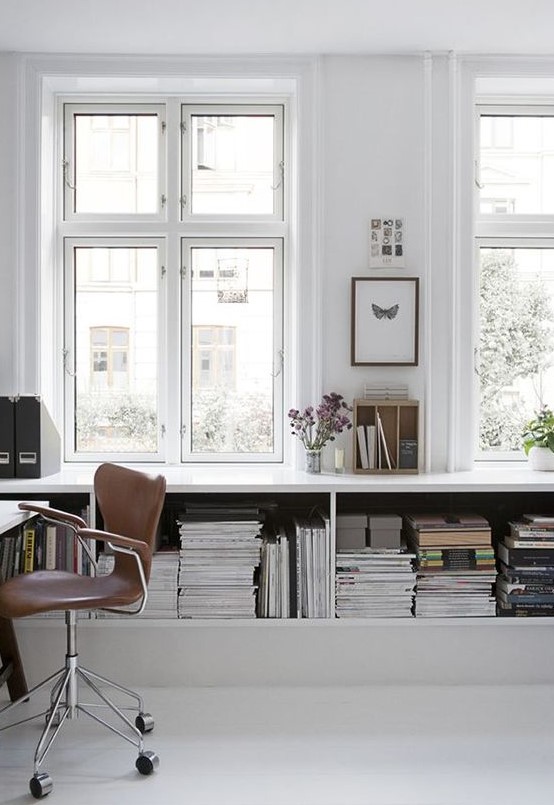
(523, 557)
(527, 575)
(525, 610)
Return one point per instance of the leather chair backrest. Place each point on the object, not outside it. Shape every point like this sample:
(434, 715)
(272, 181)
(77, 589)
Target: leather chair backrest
(131, 503)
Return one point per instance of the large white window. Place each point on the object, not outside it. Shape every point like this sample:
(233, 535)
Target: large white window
(515, 259)
(172, 230)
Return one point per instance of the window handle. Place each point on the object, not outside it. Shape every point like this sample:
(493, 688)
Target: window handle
(281, 360)
(476, 361)
(65, 166)
(281, 176)
(66, 368)
(478, 182)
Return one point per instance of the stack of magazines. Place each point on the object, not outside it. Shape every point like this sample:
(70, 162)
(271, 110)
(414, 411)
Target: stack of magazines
(162, 587)
(219, 558)
(375, 583)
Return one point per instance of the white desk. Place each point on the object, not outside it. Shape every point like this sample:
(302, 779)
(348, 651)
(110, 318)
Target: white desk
(11, 670)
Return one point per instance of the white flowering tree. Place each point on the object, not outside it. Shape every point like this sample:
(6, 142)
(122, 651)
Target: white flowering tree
(516, 345)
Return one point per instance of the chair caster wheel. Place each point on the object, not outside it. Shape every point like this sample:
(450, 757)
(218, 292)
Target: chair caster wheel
(144, 723)
(40, 785)
(147, 762)
(55, 721)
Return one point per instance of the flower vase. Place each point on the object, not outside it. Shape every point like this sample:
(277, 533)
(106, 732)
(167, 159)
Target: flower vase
(313, 461)
(541, 458)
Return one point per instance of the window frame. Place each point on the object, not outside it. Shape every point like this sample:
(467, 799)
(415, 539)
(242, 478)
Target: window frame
(71, 454)
(70, 111)
(502, 230)
(170, 227)
(229, 110)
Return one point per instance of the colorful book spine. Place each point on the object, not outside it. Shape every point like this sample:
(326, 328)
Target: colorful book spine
(29, 548)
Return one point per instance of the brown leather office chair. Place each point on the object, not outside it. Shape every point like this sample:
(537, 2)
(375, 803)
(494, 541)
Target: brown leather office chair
(130, 503)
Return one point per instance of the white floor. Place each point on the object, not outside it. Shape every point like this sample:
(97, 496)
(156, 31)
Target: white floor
(307, 746)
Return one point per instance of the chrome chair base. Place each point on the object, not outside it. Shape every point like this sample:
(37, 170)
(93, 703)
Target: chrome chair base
(65, 704)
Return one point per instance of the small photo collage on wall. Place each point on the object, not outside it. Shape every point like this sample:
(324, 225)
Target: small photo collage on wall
(386, 243)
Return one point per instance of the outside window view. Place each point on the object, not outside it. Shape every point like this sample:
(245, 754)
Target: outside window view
(116, 349)
(232, 164)
(517, 165)
(517, 342)
(516, 351)
(233, 348)
(116, 164)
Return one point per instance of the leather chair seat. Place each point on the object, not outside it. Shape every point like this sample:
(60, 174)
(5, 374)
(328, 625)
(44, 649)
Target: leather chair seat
(51, 590)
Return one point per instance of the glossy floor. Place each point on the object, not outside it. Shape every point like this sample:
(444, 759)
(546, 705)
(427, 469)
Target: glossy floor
(308, 746)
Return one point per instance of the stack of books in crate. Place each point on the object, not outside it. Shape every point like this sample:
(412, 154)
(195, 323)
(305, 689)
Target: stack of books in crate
(455, 560)
(525, 584)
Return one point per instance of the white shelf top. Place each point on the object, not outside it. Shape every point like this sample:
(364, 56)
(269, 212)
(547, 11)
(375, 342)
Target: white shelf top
(266, 478)
(11, 516)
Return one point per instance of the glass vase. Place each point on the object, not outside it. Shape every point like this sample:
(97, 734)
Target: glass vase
(313, 461)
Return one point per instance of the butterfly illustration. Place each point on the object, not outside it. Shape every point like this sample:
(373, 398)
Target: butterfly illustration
(384, 312)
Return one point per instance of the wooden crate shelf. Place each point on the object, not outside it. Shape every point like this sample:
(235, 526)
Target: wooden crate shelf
(400, 427)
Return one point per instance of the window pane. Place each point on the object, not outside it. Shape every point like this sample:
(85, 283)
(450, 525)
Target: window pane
(232, 164)
(232, 351)
(517, 165)
(516, 342)
(116, 336)
(116, 163)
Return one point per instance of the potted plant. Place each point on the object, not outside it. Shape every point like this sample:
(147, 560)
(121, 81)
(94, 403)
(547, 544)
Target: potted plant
(538, 440)
(317, 426)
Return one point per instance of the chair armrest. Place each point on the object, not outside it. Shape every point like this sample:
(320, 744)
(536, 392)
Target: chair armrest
(136, 545)
(65, 518)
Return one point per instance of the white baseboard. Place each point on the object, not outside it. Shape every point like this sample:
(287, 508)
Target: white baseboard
(411, 652)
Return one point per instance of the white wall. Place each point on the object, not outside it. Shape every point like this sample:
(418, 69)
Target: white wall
(384, 131)
(8, 218)
(382, 156)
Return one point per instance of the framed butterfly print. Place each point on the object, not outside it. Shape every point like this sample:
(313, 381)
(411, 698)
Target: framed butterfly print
(385, 321)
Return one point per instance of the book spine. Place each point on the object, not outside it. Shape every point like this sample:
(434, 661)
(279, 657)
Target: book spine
(525, 612)
(525, 598)
(17, 554)
(362, 447)
(528, 608)
(511, 542)
(50, 562)
(523, 577)
(29, 549)
(524, 589)
(525, 556)
(370, 432)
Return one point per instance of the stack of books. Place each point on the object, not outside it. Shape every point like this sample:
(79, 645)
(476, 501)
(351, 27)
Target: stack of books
(311, 575)
(38, 545)
(525, 584)
(456, 568)
(375, 583)
(219, 557)
(162, 586)
(385, 391)
(274, 588)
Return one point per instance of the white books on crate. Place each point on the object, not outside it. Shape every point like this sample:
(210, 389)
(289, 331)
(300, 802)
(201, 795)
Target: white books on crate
(362, 447)
(366, 445)
(385, 391)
